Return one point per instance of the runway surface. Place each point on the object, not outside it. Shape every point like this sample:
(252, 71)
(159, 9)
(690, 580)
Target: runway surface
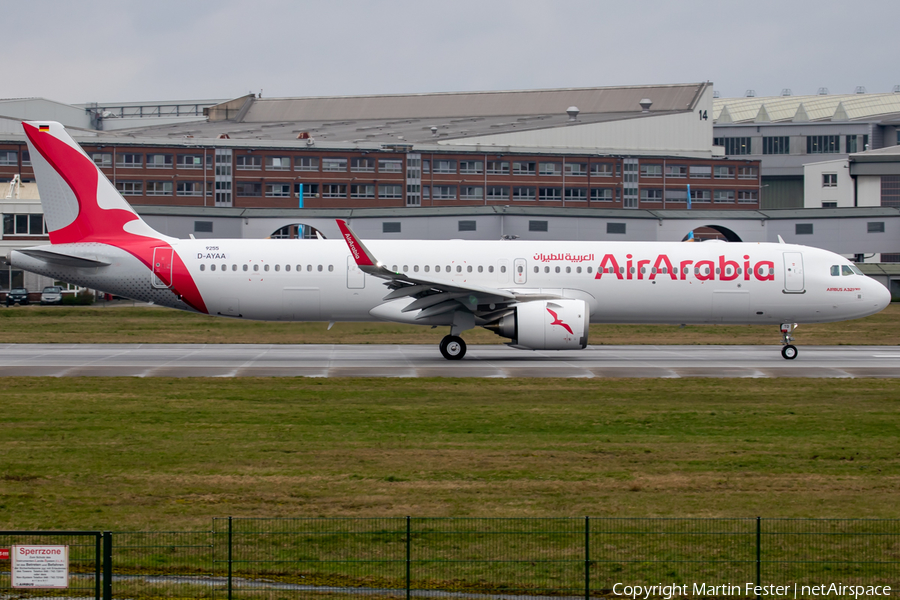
(262, 360)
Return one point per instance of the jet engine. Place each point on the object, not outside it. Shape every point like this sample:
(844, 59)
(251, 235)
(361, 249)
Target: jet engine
(545, 325)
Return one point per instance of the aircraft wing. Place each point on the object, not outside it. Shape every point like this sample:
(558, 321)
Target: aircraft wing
(433, 296)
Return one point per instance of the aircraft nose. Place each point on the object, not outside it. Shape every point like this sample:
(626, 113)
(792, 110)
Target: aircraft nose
(880, 294)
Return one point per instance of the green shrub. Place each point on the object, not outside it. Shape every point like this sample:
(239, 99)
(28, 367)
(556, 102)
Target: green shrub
(82, 298)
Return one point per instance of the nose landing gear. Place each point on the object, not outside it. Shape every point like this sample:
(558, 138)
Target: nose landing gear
(788, 350)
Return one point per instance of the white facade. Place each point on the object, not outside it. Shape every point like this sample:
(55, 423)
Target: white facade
(828, 185)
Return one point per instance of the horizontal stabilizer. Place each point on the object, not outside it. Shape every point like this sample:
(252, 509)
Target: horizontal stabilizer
(65, 260)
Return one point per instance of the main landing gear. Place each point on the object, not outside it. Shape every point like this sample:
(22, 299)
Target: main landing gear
(453, 347)
(788, 350)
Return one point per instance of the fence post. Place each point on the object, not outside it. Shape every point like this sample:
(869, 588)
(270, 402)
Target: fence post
(758, 555)
(587, 558)
(408, 555)
(229, 558)
(107, 565)
(98, 564)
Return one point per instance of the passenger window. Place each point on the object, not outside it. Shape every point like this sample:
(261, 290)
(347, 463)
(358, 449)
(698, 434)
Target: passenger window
(590, 269)
(405, 268)
(287, 268)
(299, 268)
(469, 268)
(224, 267)
(212, 267)
(835, 270)
(234, 267)
(480, 269)
(447, 268)
(245, 267)
(491, 269)
(415, 268)
(277, 267)
(427, 268)
(846, 270)
(202, 267)
(256, 267)
(546, 269)
(394, 268)
(557, 269)
(537, 269)
(503, 269)
(320, 268)
(330, 268)
(309, 267)
(266, 268)
(578, 269)
(568, 269)
(458, 268)
(437, 268)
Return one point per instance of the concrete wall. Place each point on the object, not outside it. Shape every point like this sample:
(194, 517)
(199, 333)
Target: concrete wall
(814, 192)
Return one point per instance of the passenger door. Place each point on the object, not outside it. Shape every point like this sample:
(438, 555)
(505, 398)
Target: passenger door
(793, 273)
(161, 277)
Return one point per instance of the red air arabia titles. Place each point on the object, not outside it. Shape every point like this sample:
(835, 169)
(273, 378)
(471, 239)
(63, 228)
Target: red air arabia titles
(703, 270)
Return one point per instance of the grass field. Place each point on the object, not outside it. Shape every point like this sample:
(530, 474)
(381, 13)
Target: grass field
(162, 454)
(127, 324)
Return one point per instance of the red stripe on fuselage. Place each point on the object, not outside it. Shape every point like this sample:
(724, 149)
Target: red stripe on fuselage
(105, 226)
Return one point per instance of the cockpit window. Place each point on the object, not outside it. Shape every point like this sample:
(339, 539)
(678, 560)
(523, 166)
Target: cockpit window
(835, 270)
(846, 270)
(856, 270)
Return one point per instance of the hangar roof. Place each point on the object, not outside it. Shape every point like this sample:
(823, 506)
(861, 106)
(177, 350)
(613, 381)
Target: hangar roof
(798, 109)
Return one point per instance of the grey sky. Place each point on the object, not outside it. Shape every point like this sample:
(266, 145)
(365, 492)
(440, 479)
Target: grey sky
(195, 49)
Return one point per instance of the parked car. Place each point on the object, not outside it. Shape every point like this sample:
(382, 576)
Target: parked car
(52, 294)
(17, 296)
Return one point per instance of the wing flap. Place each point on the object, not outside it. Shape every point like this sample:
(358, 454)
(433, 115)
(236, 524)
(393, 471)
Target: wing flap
(65, 260)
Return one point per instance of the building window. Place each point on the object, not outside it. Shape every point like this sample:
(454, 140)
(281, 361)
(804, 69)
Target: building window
(576, 194)
(467, 225)
(701, 171)
(189, 161)
(537, 225)
(733, 145)
(890, 257)
(445, 166)
(203, 226)
(497, 167)
(444, 192)
(723, 172)
(393, 192)
(362, 165)
(551, 168)
(248, 162)
(102, 159)
(26, 158)
(829, 205)
(723, 196)
(189, 188)
(390, 227)
(248, 189)
(334, 190)
(362, 190)
(576, 169)
(306, 163)
(549, 194)
(748, 173)
(890, 190)
(390, 165)
(129, 161)
(601, 170)
(850, 144)
(29, 224)
(777, 145)
(823, 144)
(601, 195)
(159, 161)
(471, 192)
(523, 168)
(426, 191)
(130, 188)
(676, 171)
(829, 179)
(9, 158)
(426, 166)
(471, 167)
(748, 196)
(523, 193)
(498, 192)
(651, 195)
(278, 163)
(618, 228)
(700, 196)
(676, 195)
(278, 190)
(875, 227)
(310, 190)
(334, 164)
(651, 170)
(803, 228)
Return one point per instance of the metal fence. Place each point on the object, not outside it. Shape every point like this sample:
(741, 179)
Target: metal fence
(283, 559)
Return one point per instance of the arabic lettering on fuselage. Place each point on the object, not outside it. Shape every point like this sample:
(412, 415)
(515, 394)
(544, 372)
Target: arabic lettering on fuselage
(577, 258)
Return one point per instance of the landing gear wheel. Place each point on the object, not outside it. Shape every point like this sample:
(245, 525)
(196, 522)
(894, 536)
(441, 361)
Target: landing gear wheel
(453, 347)
(789, 352)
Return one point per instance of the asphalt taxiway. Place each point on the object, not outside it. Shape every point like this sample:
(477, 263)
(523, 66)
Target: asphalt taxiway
(271, 360)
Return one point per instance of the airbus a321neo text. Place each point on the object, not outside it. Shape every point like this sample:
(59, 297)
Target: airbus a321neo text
(542, 295)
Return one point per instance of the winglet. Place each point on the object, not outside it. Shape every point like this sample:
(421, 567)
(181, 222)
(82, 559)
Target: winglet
(360, 253)
(780, 240)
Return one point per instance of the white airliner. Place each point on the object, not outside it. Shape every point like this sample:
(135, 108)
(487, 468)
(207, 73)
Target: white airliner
(540, 295)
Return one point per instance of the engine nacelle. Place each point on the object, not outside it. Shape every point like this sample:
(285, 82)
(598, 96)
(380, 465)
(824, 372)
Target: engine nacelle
(546, 325)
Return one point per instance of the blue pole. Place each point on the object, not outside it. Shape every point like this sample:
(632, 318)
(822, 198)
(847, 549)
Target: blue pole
(688, 198)
(300, 196)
